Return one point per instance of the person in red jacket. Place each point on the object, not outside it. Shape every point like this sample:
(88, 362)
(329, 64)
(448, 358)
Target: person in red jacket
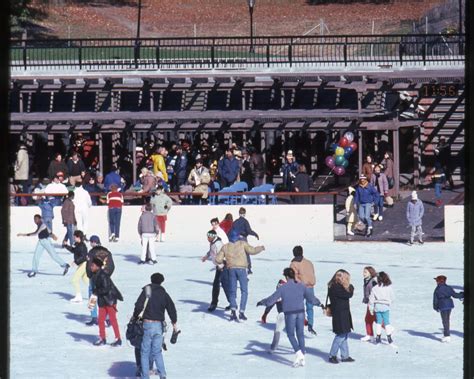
(226, 223)
(115, 202)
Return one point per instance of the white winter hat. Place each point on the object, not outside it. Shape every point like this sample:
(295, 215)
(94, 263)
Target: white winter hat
(414, 195)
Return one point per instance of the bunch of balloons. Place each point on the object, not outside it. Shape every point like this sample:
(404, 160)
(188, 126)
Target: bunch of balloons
(338, 162)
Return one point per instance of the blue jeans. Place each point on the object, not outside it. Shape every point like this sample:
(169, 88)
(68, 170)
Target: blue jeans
(309, 310)
(382, 317)
(45, 244)
(49, 223)
(364, 213)
(379, 205)
(340, 343)
(225, 281)
(93, 310)
(115, 214)
(240, 275)
(438, 190)
(70, 228)
(151, 345)
(295, 322)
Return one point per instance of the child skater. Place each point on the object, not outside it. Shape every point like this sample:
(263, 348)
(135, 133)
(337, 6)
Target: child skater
(350, 210)
(80, 260)
(280, 322)
(443, 303)
(380, 300)
(370, 280)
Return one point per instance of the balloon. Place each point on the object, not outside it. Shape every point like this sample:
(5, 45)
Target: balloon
(333, 147)
(339, 160)
(349, 136)
(347, 152)
(339, 151)
(345, 164)
(330, 161)
(353, 145)
(343, 142)
(339, 170)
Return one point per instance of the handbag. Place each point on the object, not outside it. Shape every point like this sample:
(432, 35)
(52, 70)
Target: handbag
(327, 307)
(134, 331)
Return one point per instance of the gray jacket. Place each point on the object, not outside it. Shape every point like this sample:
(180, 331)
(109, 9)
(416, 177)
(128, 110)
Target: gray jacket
(147, 223)
(415, 213)
(161, 204)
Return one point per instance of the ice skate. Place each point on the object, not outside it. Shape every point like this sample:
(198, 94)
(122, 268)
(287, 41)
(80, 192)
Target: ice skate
(212, 308)
(66, 269)
(378, 339)
(367, 339)
(242, 316)
(77, 299)
(350, 232)
(233, 316)
(446, 339)
(116, 343)
(299, 359)
(369, 232)
(348, 359)
(92, 322)
(333, 360)
(112, 236)
(100, 342)
(31, 274)
(311, 330)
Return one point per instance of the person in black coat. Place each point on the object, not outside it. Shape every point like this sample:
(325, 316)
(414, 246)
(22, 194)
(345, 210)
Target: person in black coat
(80, 260)
(154, 324)
(302, 183)
(97, 251)
(105, 294)
(340, 290)
(443, 303)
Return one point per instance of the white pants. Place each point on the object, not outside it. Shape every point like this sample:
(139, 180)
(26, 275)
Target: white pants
(148, 240)
(82, 218)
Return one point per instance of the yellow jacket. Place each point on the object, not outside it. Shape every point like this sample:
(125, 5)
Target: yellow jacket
(159, 166)
(234, 254)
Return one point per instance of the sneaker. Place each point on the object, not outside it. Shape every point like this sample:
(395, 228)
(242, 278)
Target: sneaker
(378, 339)
(380, 219)
(421, 242)
(233, 316)
(311, 330)
(92, 322)
(212, 308)
(446, 339)
(350, 233)
(242, 316)
(77, 299)
(116, 343)
(389, 339)
(366, 339)
(333, 360)
(31, 274)
(66, 269)
(375, 217)
(112, 236)
(115, 239)
(100, 342)
(348, 359)
(369, 232)
(141, 262)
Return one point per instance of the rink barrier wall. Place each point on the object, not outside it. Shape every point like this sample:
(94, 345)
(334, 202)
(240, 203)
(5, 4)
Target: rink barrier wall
(188, 223)
(454, 223)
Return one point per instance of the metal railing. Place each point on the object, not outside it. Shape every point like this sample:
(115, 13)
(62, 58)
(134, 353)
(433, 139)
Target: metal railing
(233, 52)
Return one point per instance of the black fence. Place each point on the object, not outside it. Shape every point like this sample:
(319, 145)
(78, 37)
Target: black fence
(234, 52)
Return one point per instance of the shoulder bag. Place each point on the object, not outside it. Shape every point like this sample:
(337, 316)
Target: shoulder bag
(134, 331)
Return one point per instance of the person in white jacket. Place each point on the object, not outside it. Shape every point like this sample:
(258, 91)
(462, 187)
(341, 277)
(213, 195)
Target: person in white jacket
(350, 210)
(82, 204)
(215, 245)
(220, 232)
(380, 300)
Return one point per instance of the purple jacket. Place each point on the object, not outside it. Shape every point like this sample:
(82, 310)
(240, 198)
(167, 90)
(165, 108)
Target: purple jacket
(382, 181)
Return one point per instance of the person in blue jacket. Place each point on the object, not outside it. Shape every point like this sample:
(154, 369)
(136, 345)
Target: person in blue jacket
(443, 303)
(228, 168)
(365, 196)
(241, 229)
(113, 177)
(47, 213)
(292, 295)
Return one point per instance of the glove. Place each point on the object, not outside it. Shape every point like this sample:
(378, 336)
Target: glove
(260, 303)
(174, 336)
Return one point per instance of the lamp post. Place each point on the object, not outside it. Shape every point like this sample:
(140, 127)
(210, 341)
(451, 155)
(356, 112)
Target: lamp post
(251, 4)
(137, 40)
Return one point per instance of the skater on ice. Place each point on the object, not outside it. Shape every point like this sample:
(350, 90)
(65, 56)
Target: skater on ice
(443, 303)
(340, 290)
(370, 280)
(380, 300)
(147, 230)
(79, 249)
(292, 295)
(44, 243)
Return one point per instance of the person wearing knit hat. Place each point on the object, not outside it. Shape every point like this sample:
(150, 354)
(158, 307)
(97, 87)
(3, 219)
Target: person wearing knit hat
(443, 303)
(153, 314)
(415, 212)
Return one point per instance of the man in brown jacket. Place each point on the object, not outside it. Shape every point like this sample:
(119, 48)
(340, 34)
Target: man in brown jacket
(304, 273)
(69, 218)
(236, 262)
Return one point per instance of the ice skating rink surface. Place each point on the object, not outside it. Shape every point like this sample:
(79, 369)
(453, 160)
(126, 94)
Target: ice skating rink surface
(48, 338)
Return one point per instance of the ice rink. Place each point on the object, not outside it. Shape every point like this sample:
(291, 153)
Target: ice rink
(49, 339)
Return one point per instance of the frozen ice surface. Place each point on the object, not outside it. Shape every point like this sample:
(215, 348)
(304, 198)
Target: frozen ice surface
(48, 337)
